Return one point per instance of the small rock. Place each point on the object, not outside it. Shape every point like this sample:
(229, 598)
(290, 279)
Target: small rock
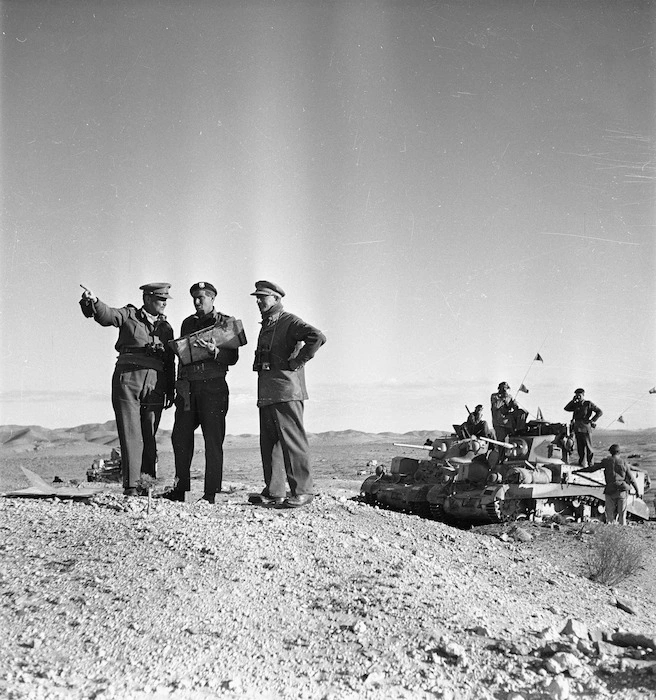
(578, 629)
(374, 677)
(561, 662)
(558, 688)
(624, 605)
(522, 535)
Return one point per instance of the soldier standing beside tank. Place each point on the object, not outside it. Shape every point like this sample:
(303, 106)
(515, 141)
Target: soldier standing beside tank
(284, 345)
(201, 399)
(619, 480)
(585, 415)
(143, 380)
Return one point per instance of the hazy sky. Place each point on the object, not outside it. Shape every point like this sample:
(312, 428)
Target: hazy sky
(444, 188)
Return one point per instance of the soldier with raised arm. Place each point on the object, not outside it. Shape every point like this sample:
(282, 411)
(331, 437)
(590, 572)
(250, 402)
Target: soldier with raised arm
(584, 421)
(143, 380)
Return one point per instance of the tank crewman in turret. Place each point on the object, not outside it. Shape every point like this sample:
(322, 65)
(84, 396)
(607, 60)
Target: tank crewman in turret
(584, 420)
(284, 345)
(201, 399)
(143, 381)
(506, 415)
(476, 426)
(619, 480)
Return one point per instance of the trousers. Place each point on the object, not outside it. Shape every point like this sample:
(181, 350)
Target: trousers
(284, 449)
(138, 401)
(584, 448)
(616, 507)
(207, 408)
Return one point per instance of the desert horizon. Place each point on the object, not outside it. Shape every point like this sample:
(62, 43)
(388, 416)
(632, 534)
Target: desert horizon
(32, 436)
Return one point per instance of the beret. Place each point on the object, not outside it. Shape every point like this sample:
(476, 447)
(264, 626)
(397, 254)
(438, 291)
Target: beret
(199, 286)
(157, 289)
(579, 391)
(264, 288)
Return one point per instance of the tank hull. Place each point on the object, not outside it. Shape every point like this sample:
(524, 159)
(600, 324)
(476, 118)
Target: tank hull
(461, 483)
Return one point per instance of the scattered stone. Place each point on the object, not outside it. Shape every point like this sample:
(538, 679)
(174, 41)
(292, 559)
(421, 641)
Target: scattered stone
(558, 688)
(624, 605)
(576, 628)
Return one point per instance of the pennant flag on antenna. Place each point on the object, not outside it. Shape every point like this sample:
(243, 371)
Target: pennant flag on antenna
(653, 390)
(523, 388)
(539, 415)
(538, 358)
(620, 419)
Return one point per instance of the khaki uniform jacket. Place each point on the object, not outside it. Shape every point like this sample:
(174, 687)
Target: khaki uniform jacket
(288, 343)
(136, 335)
(582, 414)
(617, 475)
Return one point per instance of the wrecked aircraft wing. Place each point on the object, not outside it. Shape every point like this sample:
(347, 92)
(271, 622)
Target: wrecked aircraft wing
(38, 488)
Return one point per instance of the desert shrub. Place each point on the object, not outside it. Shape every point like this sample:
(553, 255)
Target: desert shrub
(615, 553)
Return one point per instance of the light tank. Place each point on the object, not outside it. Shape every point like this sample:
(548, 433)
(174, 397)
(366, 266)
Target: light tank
(406, 485)
(534, 481)
(463, 481)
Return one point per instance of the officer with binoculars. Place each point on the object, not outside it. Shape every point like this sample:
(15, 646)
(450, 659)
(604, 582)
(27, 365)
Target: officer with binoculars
(284, 345)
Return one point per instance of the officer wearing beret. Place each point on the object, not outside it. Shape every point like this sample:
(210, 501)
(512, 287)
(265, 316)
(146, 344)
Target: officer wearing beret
(201, 400)
(585, 415)
(143, 381)
(284, 345)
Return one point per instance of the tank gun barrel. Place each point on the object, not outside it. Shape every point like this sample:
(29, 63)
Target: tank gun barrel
(497, 442)
(414, 447)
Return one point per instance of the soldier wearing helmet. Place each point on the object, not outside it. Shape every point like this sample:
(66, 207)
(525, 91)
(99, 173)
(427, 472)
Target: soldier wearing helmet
(505, 414)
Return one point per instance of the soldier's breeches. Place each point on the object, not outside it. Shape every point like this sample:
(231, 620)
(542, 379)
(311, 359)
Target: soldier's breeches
(284, 449)
(138, 401)
(208, 406)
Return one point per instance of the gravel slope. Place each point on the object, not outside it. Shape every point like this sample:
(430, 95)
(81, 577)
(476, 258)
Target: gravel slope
(111, 599)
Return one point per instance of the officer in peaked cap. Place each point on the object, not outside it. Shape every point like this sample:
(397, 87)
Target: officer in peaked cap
(284, 346)
(143, 380)
(585, 415)
(157, 289)
(264, 288)
(203, 286)
(201, 399)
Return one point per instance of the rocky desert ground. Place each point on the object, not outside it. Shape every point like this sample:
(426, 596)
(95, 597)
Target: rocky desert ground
(135, 598)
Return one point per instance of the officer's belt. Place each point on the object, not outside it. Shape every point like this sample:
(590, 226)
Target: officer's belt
(135, 350)
(139, 361)
(198, 371)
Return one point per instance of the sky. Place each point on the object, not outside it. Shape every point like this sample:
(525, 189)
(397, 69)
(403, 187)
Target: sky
(445, 189)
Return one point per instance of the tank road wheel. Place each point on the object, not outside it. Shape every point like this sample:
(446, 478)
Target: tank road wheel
(437, 510)
(508, 510)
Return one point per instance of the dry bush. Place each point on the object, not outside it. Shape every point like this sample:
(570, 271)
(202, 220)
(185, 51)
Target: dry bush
(615, 554)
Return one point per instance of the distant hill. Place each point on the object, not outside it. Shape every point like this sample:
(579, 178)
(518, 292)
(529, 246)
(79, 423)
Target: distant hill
(21, 438)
